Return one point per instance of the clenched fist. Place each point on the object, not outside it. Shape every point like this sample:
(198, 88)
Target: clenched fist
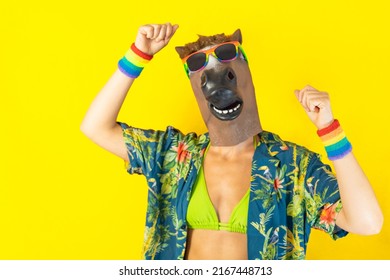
(317, 106)
(151, 38)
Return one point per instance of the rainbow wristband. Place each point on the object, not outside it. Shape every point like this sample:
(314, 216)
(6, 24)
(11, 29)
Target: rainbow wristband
(336, 143)
(133, 62)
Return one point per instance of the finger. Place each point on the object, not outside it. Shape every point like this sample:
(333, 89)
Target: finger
(147, 31)
(168, 32)
(302, 94)
(306, 99)
(299, 95)
(156, 30)
(303, 99)
(316, 94)
(296, 92)
(174, 28)
(317, 100)
(305, 89)
(306, 95)
(316, 104)
(161, 35)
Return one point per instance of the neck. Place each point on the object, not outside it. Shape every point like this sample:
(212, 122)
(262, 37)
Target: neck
(229, 135)
(234, 151)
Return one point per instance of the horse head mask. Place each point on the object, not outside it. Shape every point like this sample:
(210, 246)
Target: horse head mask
(221, 80)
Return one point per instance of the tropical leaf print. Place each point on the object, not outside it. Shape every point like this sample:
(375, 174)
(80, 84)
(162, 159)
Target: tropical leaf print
(291, 191)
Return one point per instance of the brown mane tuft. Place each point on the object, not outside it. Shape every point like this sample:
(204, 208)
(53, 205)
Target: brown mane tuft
(202, 42)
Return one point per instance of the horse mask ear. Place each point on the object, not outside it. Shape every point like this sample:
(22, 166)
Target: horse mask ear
(236, 36)
(180, 51)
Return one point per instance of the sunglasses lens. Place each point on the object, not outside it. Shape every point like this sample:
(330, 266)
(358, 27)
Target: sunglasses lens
(226, 52)
(196, 61)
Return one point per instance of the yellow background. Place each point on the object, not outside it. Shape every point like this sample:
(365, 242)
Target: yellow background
(63, 197)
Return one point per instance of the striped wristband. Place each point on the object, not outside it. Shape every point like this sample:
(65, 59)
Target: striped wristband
(336, 143)
(133, 62)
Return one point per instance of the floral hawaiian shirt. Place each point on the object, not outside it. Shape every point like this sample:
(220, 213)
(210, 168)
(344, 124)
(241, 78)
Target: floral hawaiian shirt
(291, 192)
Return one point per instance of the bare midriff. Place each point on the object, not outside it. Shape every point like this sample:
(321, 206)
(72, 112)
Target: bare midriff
(203, 244)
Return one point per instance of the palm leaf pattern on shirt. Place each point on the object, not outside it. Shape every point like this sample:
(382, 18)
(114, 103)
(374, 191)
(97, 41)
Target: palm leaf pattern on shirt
(291, 192)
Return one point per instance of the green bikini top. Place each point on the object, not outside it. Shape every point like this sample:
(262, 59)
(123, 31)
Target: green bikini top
(201, 212)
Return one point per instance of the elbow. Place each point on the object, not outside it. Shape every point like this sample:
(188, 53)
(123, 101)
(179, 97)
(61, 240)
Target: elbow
(369, 224)
(373, 226)
(376, 227)
(84, 129)
(87, 130)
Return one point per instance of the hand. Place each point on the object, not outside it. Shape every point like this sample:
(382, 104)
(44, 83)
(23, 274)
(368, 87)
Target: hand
(317, 105)
(151, 38)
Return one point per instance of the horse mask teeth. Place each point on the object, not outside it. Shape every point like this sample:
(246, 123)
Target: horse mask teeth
(226, 97)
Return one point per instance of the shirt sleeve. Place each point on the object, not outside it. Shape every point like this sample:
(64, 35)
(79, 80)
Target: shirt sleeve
(144, 148)
(324, 197)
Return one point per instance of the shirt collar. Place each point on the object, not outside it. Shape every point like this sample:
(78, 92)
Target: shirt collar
(270, 143)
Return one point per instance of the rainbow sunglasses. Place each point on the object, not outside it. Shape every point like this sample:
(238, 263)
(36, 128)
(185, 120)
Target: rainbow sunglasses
(224, 52)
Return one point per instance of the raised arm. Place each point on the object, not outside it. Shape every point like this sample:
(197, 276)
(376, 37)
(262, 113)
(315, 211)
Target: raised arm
(99, 124)
(361, 213)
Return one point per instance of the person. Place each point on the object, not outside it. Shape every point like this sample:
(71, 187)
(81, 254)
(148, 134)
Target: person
(236, 191)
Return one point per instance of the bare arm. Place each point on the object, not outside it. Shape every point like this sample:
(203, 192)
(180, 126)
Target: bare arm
(361, 213)
(99, 124)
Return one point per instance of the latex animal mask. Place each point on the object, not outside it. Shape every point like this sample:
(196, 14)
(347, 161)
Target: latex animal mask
(223, 87)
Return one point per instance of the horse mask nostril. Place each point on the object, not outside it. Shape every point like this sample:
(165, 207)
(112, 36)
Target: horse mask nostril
(230, 75)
